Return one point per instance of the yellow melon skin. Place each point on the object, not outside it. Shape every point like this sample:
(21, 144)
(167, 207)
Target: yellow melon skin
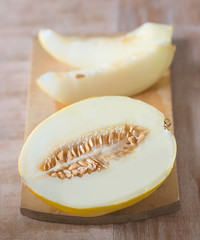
(98, 211)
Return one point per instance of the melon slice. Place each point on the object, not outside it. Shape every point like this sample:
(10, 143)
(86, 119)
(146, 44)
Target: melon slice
(91, 52)
(98, 155)
(125, 65)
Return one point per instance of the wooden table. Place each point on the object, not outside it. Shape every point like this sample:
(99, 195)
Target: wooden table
(20, 21)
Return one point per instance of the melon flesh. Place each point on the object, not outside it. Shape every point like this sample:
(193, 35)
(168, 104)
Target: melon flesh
(91, 52)
(125, 182)
(125, 65)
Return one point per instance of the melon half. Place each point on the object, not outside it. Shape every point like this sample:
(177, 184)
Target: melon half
(98, 155)
(124, 65)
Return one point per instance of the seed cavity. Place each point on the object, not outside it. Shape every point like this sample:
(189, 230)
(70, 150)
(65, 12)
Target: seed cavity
(93, 152)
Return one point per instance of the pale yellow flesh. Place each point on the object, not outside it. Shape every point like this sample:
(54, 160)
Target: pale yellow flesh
(126, 78)
(91, 52)
(126, 181)
(125, 65)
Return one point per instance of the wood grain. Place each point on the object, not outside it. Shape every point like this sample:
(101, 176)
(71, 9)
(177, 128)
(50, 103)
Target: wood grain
(20, 21)
(40, 105)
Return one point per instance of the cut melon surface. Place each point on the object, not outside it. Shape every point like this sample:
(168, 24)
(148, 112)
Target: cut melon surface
(134, 168)
(125, 65)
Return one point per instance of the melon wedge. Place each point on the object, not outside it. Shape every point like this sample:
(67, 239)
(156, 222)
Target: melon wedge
(119, 172)
(125, 65)
(91, 52)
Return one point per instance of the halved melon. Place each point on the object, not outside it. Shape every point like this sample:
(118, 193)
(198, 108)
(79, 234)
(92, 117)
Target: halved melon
(125, 65)
(98, 155)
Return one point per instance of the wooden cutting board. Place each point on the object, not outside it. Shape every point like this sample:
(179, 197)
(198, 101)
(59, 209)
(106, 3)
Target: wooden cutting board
(163, 201)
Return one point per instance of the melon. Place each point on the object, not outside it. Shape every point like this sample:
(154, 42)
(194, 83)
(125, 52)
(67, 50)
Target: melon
(98, 155)
(91, 52)
(124, 65)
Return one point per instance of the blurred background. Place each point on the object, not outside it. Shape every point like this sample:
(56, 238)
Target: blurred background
(20, 22)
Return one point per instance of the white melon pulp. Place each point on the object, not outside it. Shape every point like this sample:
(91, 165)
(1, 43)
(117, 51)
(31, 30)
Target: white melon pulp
(125, 182)
(125, 65)
(91, 52)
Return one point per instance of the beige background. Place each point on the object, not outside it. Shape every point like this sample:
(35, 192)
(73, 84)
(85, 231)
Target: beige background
(20, 21)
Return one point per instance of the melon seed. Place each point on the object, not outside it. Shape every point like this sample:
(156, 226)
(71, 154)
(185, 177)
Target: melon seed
(61, 156)
(91, 143)
(69, 155)
(73, 152)
(54, 174)
(73, 166)
(82, 163)
(87, 147)
(82, 149)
